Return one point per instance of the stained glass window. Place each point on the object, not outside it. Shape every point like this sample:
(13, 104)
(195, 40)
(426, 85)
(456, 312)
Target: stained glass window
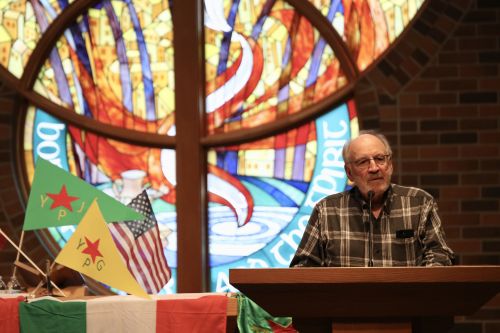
(98, 79)
(264, 191)
(264, 62)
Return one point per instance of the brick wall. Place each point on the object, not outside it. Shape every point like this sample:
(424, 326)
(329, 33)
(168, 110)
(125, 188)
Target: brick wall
(437, 96)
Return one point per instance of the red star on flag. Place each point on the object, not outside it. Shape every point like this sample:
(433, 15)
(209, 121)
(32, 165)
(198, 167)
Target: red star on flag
(62, 199)
(92, 249)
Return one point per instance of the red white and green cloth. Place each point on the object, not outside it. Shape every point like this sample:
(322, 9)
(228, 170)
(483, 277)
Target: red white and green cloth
(114, 314)
(195, 313)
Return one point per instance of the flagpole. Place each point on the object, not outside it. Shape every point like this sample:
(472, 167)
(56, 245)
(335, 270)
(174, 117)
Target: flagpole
(14, 272)
(29, 260)
(40, 284)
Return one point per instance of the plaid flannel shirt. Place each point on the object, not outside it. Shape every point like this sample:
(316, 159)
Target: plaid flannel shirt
(407, 232)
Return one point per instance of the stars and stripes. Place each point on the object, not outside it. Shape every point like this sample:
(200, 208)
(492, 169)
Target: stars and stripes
(141, 248)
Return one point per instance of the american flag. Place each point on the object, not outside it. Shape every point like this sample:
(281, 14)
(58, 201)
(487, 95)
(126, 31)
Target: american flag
(141, 248)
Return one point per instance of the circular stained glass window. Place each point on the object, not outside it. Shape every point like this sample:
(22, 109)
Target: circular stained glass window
(99, 82)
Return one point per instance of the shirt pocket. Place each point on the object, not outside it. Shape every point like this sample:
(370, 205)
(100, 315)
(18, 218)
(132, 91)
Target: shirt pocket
(405, 250)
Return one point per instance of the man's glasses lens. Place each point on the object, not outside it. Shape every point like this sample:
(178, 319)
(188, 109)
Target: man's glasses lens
(380, 160)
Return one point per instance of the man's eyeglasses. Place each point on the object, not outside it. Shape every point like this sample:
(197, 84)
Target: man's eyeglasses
(364, 163)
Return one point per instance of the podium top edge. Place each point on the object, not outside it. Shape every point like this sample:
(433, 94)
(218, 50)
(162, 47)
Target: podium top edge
(435, 274)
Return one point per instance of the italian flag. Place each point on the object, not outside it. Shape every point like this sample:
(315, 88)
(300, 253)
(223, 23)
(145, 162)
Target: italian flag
(115, 314)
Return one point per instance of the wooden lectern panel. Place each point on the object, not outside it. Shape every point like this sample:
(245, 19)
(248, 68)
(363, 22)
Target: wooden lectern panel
(319, 296)
(371, 292)
(399, 327)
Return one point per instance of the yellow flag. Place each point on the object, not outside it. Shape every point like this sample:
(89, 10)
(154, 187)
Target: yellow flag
(92, 251)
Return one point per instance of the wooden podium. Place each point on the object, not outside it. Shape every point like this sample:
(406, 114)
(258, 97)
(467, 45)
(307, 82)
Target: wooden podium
(392, 299)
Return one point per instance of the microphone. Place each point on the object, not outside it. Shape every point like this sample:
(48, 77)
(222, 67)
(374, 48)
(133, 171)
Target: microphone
(370, 230)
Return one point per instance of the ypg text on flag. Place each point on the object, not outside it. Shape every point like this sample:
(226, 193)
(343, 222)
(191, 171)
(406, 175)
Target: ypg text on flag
(91, 251)
(141, 248)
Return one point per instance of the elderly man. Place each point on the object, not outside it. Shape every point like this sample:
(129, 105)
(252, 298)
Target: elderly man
(403, 229)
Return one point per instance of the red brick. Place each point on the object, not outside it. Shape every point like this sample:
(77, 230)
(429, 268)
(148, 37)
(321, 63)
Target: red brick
(478, 97)
(438, 151)
(384, 82)
(419, 139)
(438, 98)
(461, 57)
(490, 164)
(408, 99)
(410, 67)
(462, 219)
(475, 43)
(479, 205)
(473, 246)
(439, 179)
(438, 125)
(488, 29)
(419, 112)
(388, 112)
(367, 111)
(391, 85)
(480, 260)
(409, 152)
(489, 111)
(479, 124)
(491, 219)
(388, 126)
(466, 30)
(489, 83)
(410, 180)
(440, 72)
(418, 85)
(448, 206)
(483, 178)
(461, 165)
(452, 232)
(458, 138)
(5, 132)
(480, 16)
(366, 97)
(408, 126)
(459, 111)
(450, 45)
(489, 137)
(445, 24)
(419, 166)
(476, 71)
(491, 246)
(422, 42)
(461, 192)
(457, 85)
(481, 151)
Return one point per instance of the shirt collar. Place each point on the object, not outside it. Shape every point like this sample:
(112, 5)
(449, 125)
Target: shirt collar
(356, 194)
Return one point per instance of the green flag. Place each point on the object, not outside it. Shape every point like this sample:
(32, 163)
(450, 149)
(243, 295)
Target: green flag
(252, 318)
(47, 315)
(59, 198)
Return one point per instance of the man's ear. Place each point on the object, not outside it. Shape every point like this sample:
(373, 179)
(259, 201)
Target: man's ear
(391, 167)
(348, 172)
